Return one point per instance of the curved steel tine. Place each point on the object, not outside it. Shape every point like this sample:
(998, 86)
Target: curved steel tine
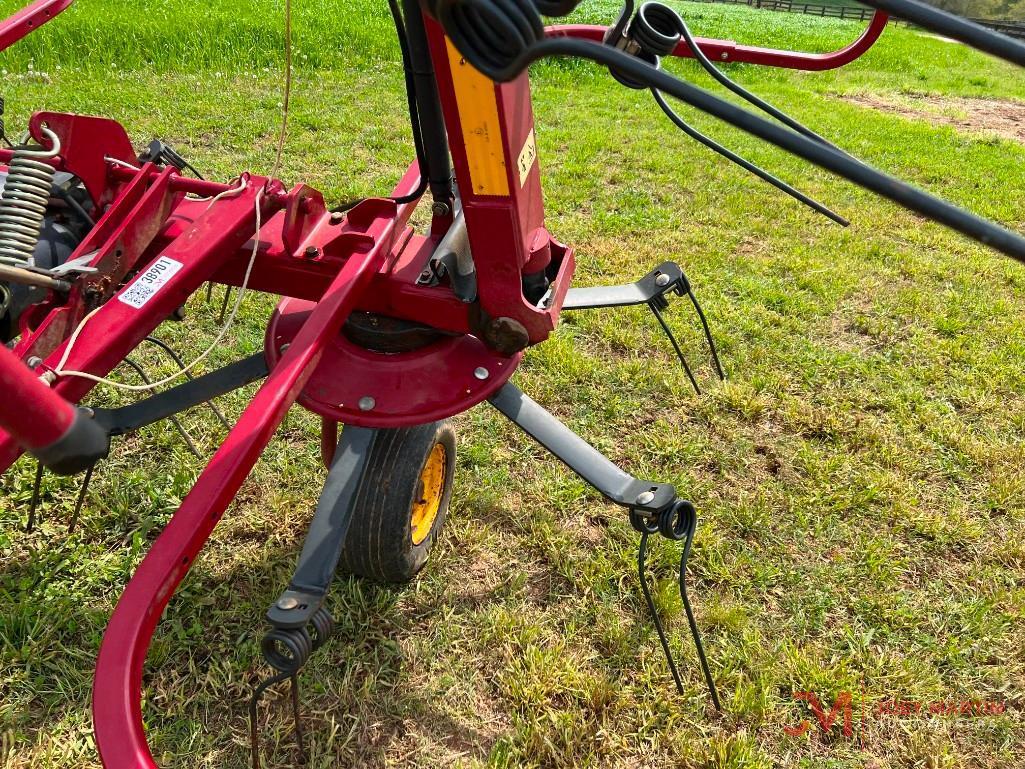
(81, 499)
(174, 420)
(747, 165)
(642, 553)
(37, 485)
(694, 631)
(188, 375)
(254, 701)
(676, 345)
(300, 747)
(708, 336)
(224, 304)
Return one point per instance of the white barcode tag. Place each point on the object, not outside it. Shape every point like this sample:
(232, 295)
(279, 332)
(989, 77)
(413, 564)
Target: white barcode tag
(149, 282)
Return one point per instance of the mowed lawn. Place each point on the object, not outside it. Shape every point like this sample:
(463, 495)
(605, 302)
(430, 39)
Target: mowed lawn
(859, 476)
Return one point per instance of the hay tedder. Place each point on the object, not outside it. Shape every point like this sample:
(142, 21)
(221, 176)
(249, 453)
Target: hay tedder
(381, 329)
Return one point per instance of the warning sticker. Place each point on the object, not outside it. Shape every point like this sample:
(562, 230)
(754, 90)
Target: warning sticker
(528, 155)
(149, 282)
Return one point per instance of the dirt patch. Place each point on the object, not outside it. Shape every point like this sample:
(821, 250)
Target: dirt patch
(996, 116)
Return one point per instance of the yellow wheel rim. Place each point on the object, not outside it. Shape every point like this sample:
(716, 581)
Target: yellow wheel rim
(430, 488)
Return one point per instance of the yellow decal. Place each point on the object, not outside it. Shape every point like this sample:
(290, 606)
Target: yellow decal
(482, 130)
(528, 156)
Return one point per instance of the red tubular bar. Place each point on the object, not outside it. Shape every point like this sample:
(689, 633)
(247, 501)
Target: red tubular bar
(29, 19)
(117, 687)
(729, 51)
(41, 417)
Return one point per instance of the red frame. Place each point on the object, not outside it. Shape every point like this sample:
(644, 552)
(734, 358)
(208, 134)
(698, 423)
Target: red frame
(369, 261)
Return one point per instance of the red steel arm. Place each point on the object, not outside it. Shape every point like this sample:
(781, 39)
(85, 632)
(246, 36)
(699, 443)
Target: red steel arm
(33, 414)
(727, 50)
(117, 688)
(29, 19)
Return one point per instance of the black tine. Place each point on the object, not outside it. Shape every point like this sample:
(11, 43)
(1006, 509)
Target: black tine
(708, 336)
(747, 165)
(224, 304)
(209, 291)
(81, 498)
(676, 345)
(188, 375)
(296, 720)
(642, 552)
(695, 633)
(174, 420)
(254, 701)
(36, 487)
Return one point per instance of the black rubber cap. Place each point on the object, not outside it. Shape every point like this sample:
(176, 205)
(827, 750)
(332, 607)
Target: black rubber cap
(82, 446)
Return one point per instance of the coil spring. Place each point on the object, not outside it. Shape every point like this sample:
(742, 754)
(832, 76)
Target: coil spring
(491, 34)
(653, 32)
(288, 649)
(24, 200)
(676, 522)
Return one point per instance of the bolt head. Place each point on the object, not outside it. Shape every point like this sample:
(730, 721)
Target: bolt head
(440, 208)
(337, 217)
(645, 497)
(481, 373)
(724, 56)
(661, 280)
(312, 252)
(288, 603)
(366, 403)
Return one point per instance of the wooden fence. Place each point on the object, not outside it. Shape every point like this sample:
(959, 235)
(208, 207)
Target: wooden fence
(862, 13)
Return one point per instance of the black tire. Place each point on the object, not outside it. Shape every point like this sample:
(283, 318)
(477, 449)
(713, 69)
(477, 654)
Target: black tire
(380, 543)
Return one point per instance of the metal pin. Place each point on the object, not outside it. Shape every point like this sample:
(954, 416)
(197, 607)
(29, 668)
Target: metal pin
(645, 497)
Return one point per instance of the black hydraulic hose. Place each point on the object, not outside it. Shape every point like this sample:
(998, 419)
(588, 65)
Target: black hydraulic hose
(501, 67)
(953, 26)
(432, 120)
(745, 164)
(659, 25)
(411, 101)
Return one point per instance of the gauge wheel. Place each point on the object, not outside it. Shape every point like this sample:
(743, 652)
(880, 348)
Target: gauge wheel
(402, 502)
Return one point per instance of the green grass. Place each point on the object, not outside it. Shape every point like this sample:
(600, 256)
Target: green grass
(860, 476)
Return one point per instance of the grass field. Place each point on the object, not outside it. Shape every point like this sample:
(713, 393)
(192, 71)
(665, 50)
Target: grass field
(859, 477)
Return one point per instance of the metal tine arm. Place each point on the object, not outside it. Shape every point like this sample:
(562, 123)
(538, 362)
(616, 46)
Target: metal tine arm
(174, 420)
(188, 375)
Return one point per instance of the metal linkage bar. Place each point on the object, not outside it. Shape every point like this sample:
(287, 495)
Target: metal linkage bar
(582, 458)
(654, 507)
(665, 278)
(196, 391)
(652, 290)
(325, 537)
